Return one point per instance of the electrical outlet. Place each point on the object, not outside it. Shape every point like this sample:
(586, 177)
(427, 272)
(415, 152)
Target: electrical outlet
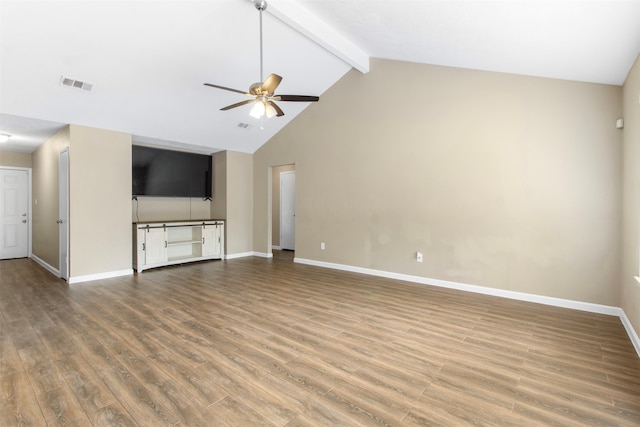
(322, 246)
(419, 256)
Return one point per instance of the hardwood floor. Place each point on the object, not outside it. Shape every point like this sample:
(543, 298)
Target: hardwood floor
(252, 341)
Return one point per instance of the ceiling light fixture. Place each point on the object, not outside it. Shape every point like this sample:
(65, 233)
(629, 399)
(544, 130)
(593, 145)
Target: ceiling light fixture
(263, 108)
(258, 110)
(4, 137)
(262, 93)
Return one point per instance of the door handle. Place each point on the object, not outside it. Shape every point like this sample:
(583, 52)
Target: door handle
(24, 214)
(24, 220)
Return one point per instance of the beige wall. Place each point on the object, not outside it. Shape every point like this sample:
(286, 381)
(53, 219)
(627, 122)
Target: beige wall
(630, 289)
(16, 160)
(169, 208)
(505, 181)
(100, 201)
(239, 223)
(275, 201)
(45, 238)
(233, 199)
(219, 199)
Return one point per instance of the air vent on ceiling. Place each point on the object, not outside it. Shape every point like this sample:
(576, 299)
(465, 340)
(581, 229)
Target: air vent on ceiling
(243, 125)
(66, 81)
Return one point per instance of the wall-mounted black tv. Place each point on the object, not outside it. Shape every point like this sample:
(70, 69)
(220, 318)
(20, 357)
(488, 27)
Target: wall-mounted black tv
(167, 173)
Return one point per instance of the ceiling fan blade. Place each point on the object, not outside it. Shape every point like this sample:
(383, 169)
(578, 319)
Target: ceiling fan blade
(227, 88)
(270, 84)
(298, 98)
(237, 104)
(279, 112)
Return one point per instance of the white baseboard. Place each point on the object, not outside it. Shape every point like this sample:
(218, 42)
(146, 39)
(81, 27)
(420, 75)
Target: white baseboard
(540, 299)
(277, 248)
(98, 276)
(46, 266)
(635, 340)
(262, 254)
(248, 254)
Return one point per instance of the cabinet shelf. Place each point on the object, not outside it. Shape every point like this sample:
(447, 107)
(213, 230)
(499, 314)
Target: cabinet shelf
(184, 242)
(157, 244)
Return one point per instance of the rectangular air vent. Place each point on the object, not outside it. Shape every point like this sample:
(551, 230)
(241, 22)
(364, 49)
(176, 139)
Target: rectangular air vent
(66, 81)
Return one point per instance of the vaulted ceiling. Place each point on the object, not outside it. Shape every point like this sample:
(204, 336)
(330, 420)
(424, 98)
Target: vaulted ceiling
(146, 61)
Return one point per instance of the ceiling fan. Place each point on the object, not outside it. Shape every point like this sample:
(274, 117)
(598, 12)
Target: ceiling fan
(263, 93)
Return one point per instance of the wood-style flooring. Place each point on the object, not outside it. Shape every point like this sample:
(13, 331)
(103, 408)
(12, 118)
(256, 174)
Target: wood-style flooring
(252, 341)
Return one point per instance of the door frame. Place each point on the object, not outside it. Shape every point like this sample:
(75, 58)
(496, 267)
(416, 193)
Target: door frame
(29, 205)
(63, 272)
(282, 174)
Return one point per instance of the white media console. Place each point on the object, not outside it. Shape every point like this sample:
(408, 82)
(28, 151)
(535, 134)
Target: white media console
(157, 244)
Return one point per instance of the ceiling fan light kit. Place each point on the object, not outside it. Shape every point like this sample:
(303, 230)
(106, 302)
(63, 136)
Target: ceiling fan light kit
(263, 93)
(263, 108)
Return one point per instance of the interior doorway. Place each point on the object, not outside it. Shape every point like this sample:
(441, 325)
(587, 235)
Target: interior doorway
(283, 216)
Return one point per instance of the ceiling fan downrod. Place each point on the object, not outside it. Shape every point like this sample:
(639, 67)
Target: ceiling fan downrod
(261, 5)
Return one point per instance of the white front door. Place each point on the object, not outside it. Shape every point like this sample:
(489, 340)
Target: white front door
(14, 213)
(63, 209)
(287, 210)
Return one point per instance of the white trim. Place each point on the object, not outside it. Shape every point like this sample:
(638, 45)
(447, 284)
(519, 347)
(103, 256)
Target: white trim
(238, 255)
(540, 299)
(277, 248)
(637, 278)
(64, 173)
(635, 340)
(30, 195)
(99, 276)
(262, 254)
(45, 265)
(248, 254)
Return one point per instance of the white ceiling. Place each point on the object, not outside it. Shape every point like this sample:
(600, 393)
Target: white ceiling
(148, 60)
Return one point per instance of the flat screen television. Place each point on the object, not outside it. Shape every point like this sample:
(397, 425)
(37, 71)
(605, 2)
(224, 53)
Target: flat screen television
(167, 173)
